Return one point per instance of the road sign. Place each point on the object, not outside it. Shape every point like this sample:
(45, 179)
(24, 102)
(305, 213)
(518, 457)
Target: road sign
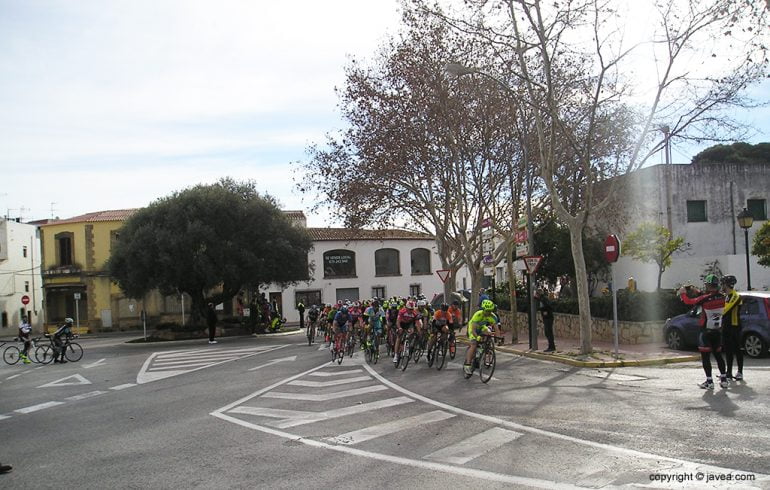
(487, 234)
(489, 271)
(487, 246)
(25, 300)
(522, 249)
(443, 274)
(611, 249)
(488, 259)
(77, 295)
(532, 262)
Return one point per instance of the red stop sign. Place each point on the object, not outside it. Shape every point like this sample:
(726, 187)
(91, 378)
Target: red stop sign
(25, 300)
(611, 249)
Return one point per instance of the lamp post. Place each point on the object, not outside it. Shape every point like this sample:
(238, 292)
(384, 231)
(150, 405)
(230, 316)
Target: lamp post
(745, 220)
(458, 70)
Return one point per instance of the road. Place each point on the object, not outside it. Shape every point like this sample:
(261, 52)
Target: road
(274, 412)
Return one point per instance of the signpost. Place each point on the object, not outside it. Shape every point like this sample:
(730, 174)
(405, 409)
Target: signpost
(611, 254)
(77, 311)
(25, 300)
(443, 274)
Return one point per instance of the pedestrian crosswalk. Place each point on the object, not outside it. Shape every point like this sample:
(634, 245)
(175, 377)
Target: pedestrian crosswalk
(161, 365)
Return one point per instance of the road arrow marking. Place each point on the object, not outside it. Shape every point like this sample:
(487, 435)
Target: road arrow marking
(94, 364)
(275, 361)
(77, 380)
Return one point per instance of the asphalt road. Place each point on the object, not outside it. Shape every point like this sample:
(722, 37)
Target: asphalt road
(274, 412)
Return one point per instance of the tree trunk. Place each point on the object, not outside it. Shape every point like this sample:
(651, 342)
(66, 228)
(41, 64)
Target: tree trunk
(660, 276)
(581, 280)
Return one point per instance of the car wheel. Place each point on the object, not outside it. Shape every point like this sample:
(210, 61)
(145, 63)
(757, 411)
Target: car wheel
(674, 339)
(754, 345)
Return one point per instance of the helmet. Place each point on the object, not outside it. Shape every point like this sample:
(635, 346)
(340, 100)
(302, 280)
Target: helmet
(487, 305)
(344, 309)
(356, 304)
(328, 305)
(729, 281)
(411, 305)
(711, 280)
(422, 303)
(456, 303)
(69, 321)
(444, 307)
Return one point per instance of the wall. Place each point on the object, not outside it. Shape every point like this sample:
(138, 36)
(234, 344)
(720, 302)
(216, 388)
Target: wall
(16, 270)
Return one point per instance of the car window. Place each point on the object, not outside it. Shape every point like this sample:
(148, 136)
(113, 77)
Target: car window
(750, 306)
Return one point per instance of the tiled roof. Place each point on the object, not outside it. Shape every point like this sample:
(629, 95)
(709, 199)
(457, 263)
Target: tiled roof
(349, 234)
(98, 216)
(295, 215)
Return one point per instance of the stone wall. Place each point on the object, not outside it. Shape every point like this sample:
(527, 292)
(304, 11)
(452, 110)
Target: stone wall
(568, 326)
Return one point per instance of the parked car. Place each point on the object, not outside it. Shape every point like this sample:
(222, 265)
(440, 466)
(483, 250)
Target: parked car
(682, 331)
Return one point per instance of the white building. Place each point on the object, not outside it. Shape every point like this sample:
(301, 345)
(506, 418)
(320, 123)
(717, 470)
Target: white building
(362, 264)
(19, 275)
(699, 202)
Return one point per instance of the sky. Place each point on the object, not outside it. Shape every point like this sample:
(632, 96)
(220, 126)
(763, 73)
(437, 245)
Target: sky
(111, 104)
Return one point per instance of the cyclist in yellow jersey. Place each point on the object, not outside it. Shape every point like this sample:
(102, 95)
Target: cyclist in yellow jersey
(482, 321)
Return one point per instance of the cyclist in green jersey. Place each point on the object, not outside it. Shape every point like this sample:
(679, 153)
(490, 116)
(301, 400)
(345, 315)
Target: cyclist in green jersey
(483, 321)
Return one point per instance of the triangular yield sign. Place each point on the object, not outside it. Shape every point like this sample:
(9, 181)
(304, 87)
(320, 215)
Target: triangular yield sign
(532, 262)
(443, 274)
(76, 380)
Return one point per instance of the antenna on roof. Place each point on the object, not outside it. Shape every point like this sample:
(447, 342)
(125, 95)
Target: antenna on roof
(52, 209)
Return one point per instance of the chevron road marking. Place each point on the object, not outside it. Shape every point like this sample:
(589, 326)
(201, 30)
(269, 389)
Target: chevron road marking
(343, 412)
(473, 447)
(324, 397)
(336, 373)
(387, 428)
(275, 361)
(335, 382)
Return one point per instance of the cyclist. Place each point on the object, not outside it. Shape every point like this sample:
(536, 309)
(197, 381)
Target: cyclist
(712, 303)
(312, 319)
(58, 344)
(331, 313)
(25, 329)
(483, 321)
(408, 319)
(440, 324)
(375, 317)
(731, 327)
(340, 326)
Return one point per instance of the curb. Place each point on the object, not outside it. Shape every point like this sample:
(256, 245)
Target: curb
(279, 334)
(592, 364)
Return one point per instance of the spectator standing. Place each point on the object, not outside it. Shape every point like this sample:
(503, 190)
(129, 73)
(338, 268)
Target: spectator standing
(211, 321)
(25, 329)
(546, 311)
(301, 310)
(731, 327)
(482, 296)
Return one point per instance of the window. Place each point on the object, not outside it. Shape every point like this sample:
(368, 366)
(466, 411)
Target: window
(420, 261)
(757, 208)
(378, 292)
(339, 263)
(345, 294)
(64, 244)
(5, 319)
(24, 251)
(307, 298)
(386, 262)
(696, 211)
(26, 286)
(415, 289)
(114, 239)
(750, 307)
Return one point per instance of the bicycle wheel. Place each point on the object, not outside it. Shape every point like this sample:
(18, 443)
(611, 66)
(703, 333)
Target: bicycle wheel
(405, 354)
(440, 355)
(340, 355)
(368, 353)
(487, 363)
(11, 355)
(375, 351)
(430, 356)
(73, 352)
(44, 354)
(452, 346)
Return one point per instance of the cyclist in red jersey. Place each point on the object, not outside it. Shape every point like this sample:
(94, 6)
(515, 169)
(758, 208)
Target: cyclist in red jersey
(408, 318)
(712, 303)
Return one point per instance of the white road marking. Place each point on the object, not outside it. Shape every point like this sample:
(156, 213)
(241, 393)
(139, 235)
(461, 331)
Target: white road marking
(3, 417)
(183, 367)
(275, 361)
(337, 373)
(16, 375)
(94, 364)
(194, 358)
(123, 387)
(325, 397)
(77, 379)
(148, 374)
(276, 413)
(388, 428)
(334, 382)
(343, 412)
(85, 395)
(41, 406)
(323, 347)
(475, 446)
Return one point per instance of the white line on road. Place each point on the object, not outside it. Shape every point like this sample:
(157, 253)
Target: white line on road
(179, 367)
(16, 375)
(123, 387)
(325, 397)
(208, 359)
(94, 364)
(41, 406)
(323, 347)
(276, 413)
(388, 428)
(343, 412)
(275, 361)
(473, 447)
(335, 382)
(83, 396)
(336, 373)
(76, 379)
(3, 417)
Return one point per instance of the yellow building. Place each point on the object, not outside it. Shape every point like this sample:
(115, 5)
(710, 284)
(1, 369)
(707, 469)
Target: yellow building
(75, 281)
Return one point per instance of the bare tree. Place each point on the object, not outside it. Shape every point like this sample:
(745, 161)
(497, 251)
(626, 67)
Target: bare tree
(597, 95)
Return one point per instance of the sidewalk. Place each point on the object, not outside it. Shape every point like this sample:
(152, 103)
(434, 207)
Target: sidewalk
(568, 352)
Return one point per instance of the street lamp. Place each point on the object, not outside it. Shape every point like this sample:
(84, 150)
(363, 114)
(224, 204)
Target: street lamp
(745, 220)
(458, 70)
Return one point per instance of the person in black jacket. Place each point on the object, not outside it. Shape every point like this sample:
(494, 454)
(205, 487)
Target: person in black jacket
(546, 310)
(211, 321)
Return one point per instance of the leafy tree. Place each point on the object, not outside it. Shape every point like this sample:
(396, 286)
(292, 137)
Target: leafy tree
(219, 237)
(735, 153)
(761, 245)
(653, 243)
